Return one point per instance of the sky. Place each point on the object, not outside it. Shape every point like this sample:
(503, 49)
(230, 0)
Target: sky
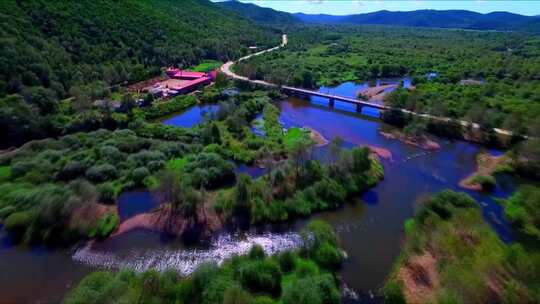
(347, 7)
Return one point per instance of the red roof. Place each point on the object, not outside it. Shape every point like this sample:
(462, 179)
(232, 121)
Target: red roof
(191, 83)
(188, 74)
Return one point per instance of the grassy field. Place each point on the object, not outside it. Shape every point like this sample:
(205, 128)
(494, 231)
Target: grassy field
(207, 66)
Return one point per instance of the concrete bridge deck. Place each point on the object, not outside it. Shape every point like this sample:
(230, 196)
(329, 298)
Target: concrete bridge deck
(332, 98)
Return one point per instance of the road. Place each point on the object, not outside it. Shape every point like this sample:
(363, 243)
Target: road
(226, 68)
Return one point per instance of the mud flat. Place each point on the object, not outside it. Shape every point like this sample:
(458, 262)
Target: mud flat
(381, 152)
(167, 221)
(318, 137)
(487, 165)
(422, 142)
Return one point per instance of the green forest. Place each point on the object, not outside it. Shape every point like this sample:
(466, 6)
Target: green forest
(505, 65)
(83, 50)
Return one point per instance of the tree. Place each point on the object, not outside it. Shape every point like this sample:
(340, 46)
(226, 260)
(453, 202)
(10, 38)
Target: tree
(242, 190)
(148, 100)
(127, 104)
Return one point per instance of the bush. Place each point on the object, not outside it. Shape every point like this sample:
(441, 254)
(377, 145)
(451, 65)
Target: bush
(18, 222)
(305, 268)
(210, 170)
(101, 173)
(107, 193)
(6, 211)
(302, 291)
(286, 261)
(393, 293)
(72, 170)
(139, 174)
(328, 256)
(261, 276)
(487, 182)
(105, 226)
(236, 295)
(256, 253)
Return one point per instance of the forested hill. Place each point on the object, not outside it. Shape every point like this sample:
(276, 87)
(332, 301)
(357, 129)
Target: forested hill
(259, 14)
(54, 50)
(59, 45)
(502, 21)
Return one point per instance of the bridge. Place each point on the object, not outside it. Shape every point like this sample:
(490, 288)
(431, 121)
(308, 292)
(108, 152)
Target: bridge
(226, 69)
(332, 98)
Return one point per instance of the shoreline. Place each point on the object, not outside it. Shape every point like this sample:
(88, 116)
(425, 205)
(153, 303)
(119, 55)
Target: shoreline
(317, 137)
(486, 165)
(422, 142)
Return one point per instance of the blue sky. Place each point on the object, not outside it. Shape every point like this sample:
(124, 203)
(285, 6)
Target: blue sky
(345, 7)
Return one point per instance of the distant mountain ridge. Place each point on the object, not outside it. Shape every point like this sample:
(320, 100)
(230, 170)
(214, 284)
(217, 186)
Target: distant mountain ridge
(259, 14)
(501, 21)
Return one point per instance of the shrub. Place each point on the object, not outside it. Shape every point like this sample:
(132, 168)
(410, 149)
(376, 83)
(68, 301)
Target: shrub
(317, 233)
(139, 174)
(5, 173)
(305, 268)
(302, 291)
(107, 193)
(111, 154)
(101, 173)
(487, 182)
(204, 275)
(18, 222)
(328, 256)
(286, 261)
(210, 170)
(105, 226)
(97, 287)
(393, 293)
(71, 170)
(6, 211)
(144, 157)
(256, 253)
(236, 295)
(261, 276)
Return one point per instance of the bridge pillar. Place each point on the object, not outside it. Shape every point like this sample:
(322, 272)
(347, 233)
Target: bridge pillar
(332, 102)
(358, 108)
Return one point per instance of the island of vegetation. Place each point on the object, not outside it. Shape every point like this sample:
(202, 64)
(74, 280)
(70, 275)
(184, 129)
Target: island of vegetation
(451, 255)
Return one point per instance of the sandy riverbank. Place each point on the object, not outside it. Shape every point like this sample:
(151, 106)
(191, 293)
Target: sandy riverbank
(167, 221)
(487, 165)
(381, 152)
(318, 138)
(422, 142)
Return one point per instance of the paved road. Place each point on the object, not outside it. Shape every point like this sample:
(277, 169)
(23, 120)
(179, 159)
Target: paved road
(226, 69)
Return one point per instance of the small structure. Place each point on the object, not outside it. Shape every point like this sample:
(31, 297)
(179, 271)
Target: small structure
(180, 82)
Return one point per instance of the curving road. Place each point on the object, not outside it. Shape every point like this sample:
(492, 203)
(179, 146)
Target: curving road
(226, 68)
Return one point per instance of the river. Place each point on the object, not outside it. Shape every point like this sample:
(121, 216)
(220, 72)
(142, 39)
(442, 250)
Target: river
(370, 227)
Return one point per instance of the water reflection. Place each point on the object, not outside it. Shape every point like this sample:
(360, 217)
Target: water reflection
(192, 116)
(143, 250)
